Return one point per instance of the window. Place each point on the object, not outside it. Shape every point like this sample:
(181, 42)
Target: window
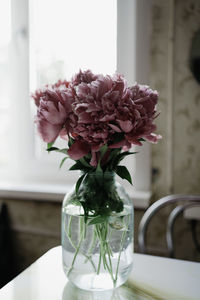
(5, 37)
(44, 41)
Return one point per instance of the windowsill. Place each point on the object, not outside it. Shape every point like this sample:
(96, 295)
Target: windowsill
(55, 193)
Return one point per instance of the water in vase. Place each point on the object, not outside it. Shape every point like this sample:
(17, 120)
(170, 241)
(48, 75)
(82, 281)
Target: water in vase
(99, 256)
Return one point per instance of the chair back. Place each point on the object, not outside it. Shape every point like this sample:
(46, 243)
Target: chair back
(183, 202)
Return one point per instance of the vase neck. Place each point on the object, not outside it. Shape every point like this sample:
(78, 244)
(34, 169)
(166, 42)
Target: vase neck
(99, 178)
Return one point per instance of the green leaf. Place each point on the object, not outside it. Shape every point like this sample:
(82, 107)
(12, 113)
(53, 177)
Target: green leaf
(52, 149)
(103, 150)
(62, 162)
(123, 154)
(99, 170)
(79, 183)
(142, 140)
(113, 154)
(85, 163)
(49, 145)
(97, 220)
(80, 167)
(58, 150)
(120, 157)
(63, 151)
(123, 172)
(76, 166)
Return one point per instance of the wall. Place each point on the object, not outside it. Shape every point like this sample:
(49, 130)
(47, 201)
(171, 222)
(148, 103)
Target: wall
(34, 229)
(176, 159)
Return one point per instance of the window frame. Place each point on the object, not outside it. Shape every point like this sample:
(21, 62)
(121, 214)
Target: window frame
(133, 47)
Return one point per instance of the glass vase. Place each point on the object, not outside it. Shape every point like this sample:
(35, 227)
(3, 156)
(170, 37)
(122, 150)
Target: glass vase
(97, 234)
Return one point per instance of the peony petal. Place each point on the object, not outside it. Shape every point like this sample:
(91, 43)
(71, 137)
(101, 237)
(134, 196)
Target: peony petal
(108, 118)
(100, 135)
(84, 118)
(63, 134)
(52, 114)
(115, 128)
(120, 144)
(37, 96)
(48, 131)
(153, 138)
(92, 107)
(53, 95)
(96, 147)
(133, 140)
(126, 126)
(78, 149)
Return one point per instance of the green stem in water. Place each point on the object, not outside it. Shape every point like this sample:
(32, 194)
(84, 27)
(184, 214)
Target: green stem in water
(110, 261)
(68, 233)
(121, 248)
(82, 233)
(99, 264)
(102, 232)
(69, 227)
(93, 244)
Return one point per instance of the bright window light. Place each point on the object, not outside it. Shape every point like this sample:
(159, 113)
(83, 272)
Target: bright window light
(71, 35)
(5, 24)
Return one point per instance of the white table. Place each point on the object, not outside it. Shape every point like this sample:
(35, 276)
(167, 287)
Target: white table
(151, 278)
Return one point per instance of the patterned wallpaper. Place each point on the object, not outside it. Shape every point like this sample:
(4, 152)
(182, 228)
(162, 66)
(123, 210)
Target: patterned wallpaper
(176, 159)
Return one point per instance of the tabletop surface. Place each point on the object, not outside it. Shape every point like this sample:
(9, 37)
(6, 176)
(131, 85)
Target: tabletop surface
(151, 278)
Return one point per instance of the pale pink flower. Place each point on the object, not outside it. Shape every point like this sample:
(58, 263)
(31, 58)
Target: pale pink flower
(54, 108)
(60, 84)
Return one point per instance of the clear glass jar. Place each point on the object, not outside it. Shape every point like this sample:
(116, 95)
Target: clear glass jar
(97, 250)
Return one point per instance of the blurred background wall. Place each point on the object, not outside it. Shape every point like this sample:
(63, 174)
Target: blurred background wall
(176, 158)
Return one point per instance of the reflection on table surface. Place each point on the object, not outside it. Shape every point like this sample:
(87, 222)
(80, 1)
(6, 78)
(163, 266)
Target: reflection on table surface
(152, 278)
(125, 292)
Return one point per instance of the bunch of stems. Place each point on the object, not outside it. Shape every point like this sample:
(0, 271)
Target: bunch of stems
(102, 234)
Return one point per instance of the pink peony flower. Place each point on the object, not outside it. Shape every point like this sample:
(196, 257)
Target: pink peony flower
(104, 106)
(94, 110)
(54, 108)
(60, 84)
(95, 107)
(85, 77)
(137, 115)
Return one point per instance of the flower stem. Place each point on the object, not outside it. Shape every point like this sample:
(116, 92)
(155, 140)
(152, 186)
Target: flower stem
(121, 248)
(93, 244)
(82, 233)
(102, 232)
(68, 233)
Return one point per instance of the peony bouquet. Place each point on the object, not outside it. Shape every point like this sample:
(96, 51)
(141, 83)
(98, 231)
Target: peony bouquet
(100, 118)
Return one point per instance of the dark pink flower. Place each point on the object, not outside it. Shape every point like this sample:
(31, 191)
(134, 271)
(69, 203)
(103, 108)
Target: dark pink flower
(142, 112)
(105, 106)
(94, 110)
(85, 77)
(78, 149)
(94, 106)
